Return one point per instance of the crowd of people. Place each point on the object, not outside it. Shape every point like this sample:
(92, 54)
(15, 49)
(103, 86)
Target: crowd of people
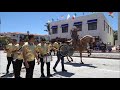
(25, 53)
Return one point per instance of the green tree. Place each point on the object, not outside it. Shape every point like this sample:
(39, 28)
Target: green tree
(4, 40)
(48, 28)
(115, 35)
(26, 38)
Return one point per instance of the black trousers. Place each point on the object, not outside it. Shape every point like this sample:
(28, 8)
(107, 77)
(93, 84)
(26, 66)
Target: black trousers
(42, 67)
(9, 59)
(59, 57)
(17, 68)
(29, 71)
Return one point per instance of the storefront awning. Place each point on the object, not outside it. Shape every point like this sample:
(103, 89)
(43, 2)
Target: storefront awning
(54, 27)
(77, 23)
(91, 21)
(64, 25)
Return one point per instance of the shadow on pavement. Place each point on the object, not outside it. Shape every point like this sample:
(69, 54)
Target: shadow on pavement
(80, 65)
(65, 74)
(7, 75)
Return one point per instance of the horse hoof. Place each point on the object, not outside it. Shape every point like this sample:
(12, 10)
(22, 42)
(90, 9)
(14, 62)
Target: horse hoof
(81, 63)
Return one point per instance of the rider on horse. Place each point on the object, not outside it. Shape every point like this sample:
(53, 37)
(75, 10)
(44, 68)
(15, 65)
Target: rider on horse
(74, 35)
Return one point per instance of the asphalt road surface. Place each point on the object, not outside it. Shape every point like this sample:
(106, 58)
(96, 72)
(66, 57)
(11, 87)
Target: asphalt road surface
(93, 68)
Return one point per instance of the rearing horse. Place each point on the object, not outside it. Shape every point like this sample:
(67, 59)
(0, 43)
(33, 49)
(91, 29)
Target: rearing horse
(81, 44)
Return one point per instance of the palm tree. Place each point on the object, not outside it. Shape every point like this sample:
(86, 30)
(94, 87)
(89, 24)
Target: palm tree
(48, 28)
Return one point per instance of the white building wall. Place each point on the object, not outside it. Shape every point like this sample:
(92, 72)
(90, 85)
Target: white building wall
(85, 30)
(99, 32)
(107, 37)
(119, 28)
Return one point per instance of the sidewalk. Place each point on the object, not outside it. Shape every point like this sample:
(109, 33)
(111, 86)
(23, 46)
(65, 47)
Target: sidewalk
(100, 55)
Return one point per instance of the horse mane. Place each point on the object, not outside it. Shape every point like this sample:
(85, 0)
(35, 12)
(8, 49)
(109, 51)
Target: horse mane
(86, 36)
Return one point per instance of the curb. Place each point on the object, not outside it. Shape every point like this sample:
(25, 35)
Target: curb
(98, 57)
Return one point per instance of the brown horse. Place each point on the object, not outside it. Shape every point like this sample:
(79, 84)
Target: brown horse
(81, 44)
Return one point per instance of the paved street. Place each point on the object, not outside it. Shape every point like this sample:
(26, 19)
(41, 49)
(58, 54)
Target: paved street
(93, 68)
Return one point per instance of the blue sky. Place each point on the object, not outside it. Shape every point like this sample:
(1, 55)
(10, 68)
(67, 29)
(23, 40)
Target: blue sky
(35, 21)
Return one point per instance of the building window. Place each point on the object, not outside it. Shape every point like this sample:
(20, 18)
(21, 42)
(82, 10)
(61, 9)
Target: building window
(54, 29)
(78, 25)
(104, 25)
(108, 28)
(64, 28)
(92, 24)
